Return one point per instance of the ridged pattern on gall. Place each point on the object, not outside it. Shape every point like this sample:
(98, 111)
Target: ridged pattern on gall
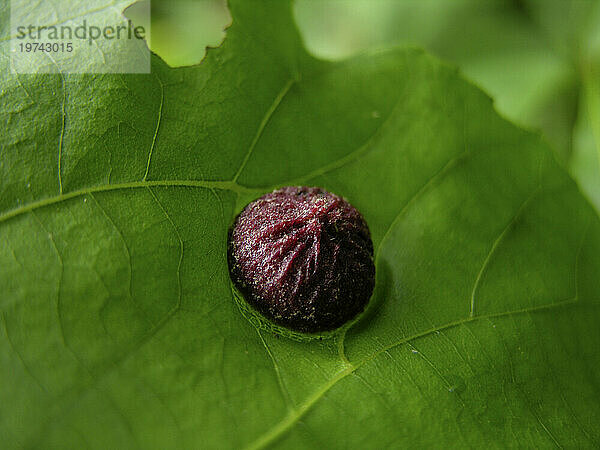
(303, 258)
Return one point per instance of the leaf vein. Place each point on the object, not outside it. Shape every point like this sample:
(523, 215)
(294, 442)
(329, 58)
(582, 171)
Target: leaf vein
(62, 131)
(284, 392)
(158, 121)
(181, 246)
(19, 356)
(222, 185)
(263, 123)
(496, 244)
(291, 419)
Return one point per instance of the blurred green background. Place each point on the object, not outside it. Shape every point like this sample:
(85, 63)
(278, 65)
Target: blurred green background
(538, 59)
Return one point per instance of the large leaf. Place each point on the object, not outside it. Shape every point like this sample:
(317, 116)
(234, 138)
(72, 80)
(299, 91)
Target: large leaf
(118, 325)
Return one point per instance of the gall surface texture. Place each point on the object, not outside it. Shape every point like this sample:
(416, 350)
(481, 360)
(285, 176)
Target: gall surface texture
(303, 258)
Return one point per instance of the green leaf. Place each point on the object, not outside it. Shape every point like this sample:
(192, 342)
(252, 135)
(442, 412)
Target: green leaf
(118, 325)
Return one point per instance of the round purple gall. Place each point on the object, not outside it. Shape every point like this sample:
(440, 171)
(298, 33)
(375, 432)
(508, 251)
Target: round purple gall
(303, 258)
